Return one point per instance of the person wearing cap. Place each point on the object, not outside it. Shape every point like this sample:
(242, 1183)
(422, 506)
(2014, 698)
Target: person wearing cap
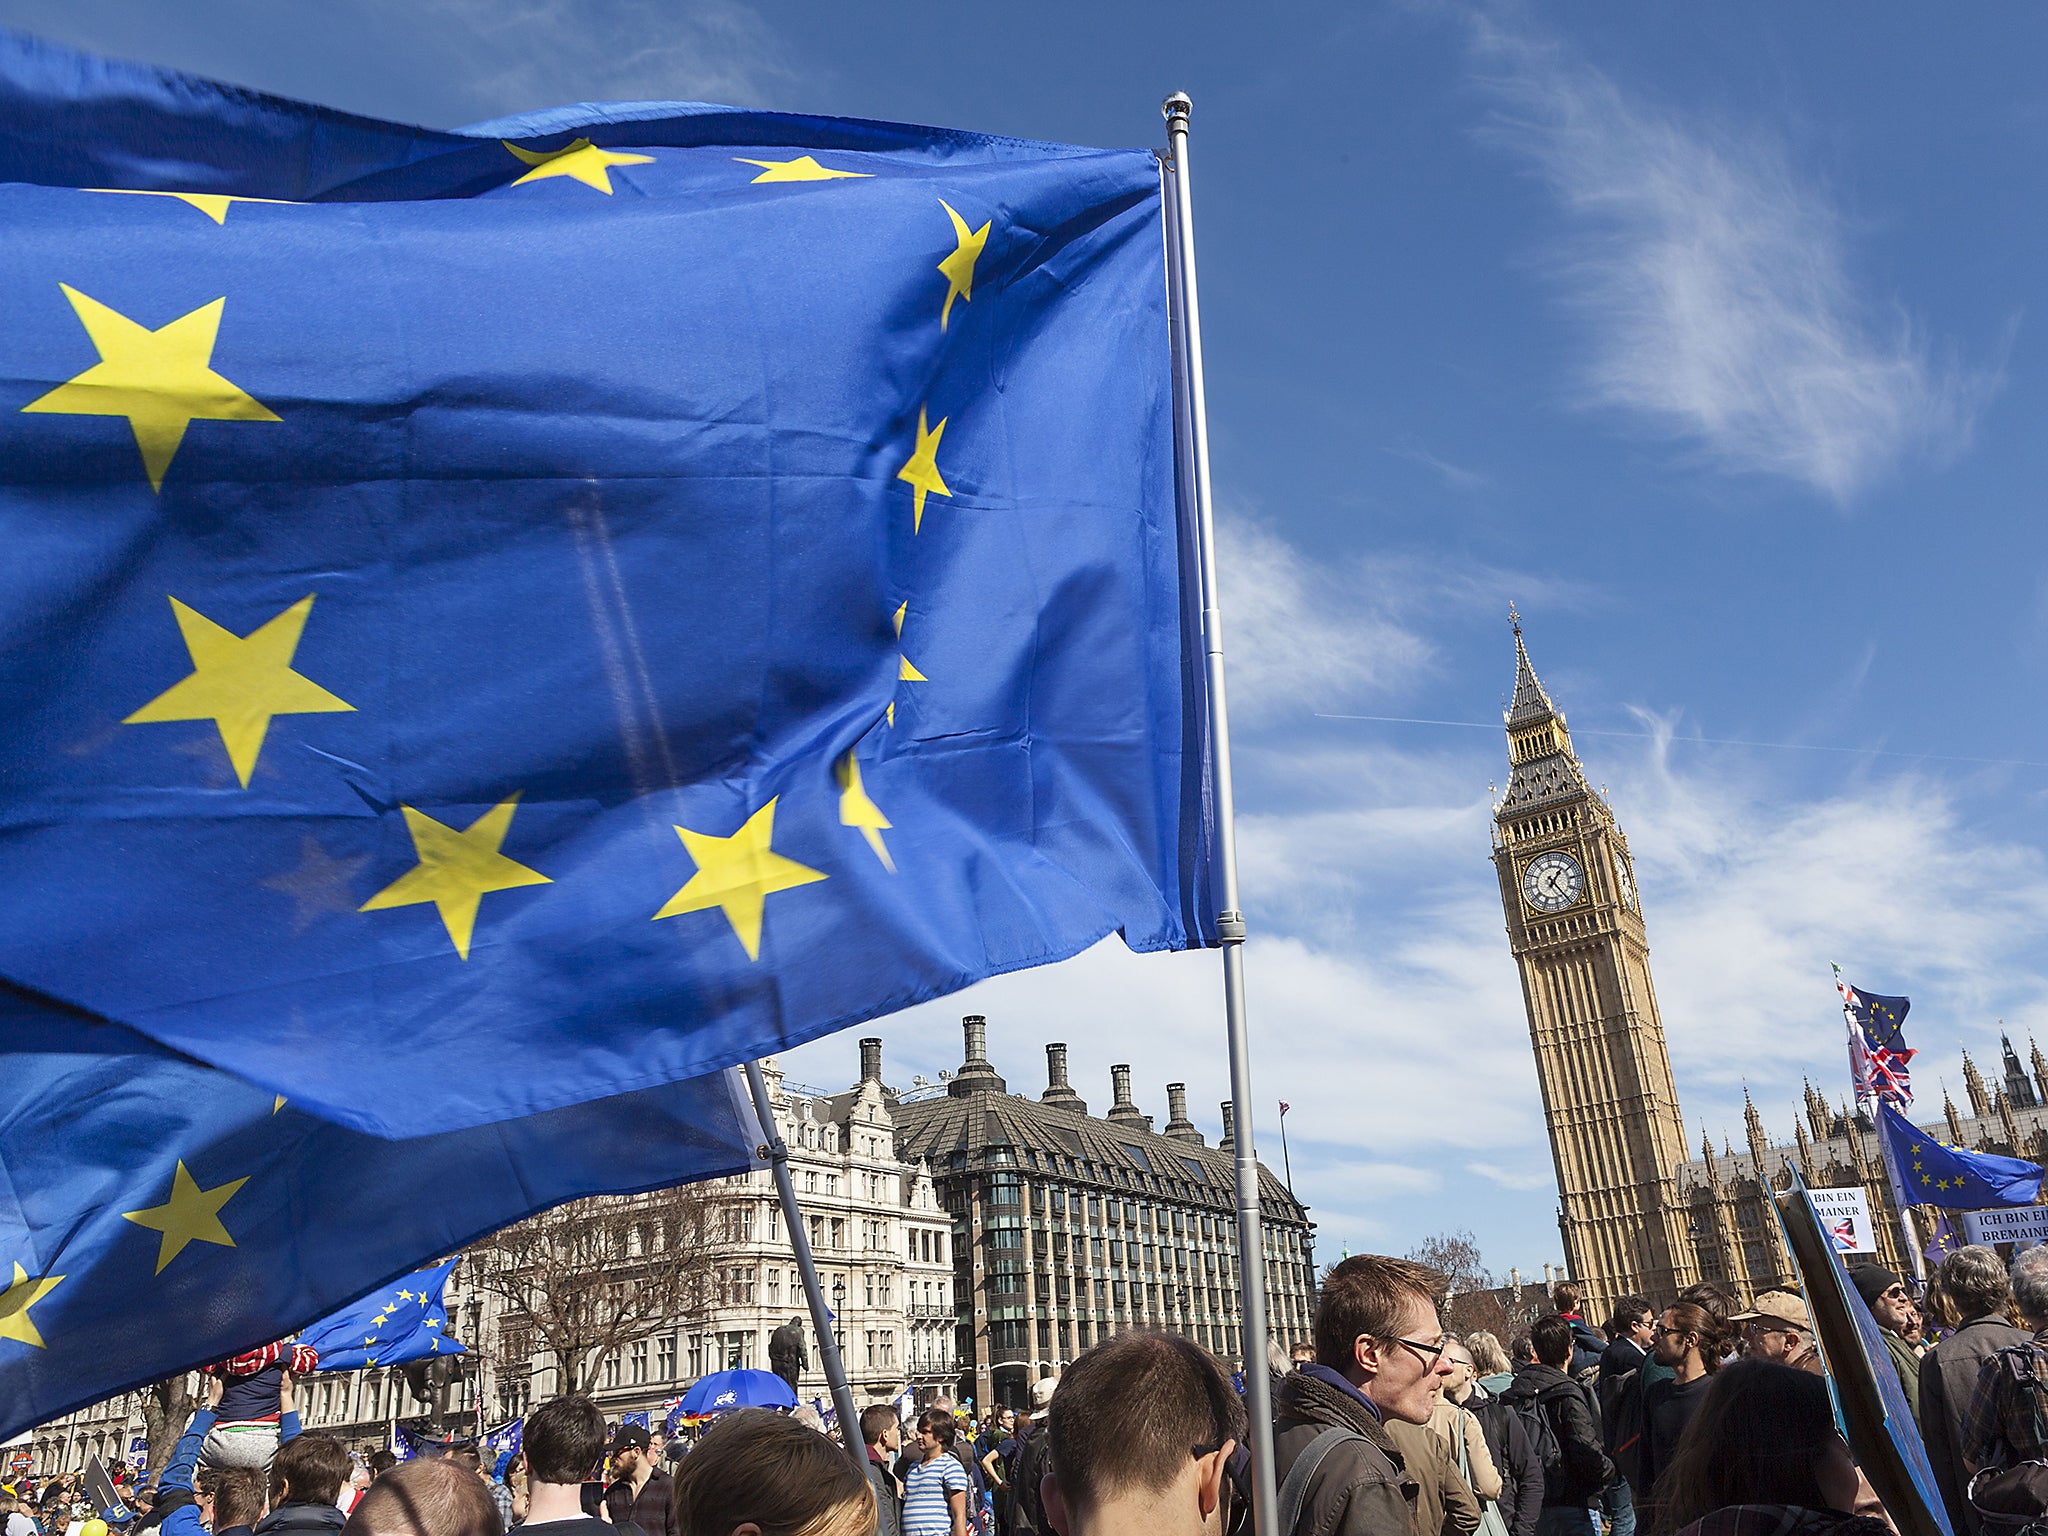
(1884, 1293)
(1977, 1287)
(640, 1492)
(1780, 1329)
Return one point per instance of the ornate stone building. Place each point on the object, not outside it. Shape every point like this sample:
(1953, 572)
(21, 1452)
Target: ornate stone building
(1635, 1213)
(1575, 924)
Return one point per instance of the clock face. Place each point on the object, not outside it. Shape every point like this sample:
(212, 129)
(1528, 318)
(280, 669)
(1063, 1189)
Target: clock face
(1625, 880)
(1552, 881)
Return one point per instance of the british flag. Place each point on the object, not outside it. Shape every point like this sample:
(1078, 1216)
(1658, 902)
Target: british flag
(1879, 1059)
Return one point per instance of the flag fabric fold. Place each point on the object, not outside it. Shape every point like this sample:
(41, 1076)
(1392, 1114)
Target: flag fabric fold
(576, 603)
(157, 1214)
(1930, 1172)
(393, 1325)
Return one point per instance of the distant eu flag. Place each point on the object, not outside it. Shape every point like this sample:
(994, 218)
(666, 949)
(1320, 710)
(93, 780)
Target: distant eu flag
(395, 1325)
(1931, 1172)
(537, 611)
(1880, 1062)
(156, 1214)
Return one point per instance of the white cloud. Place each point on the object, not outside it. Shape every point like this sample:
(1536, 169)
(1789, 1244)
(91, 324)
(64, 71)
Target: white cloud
(1715, 283)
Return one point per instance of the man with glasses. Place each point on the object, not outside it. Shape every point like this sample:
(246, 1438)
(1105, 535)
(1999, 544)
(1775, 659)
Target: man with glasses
(1144, 1435)
(1778, 1328)
(1380, 1355)
(1885, 1294)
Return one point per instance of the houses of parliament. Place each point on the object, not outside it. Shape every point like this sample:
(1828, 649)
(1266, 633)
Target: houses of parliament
(1637, 1213)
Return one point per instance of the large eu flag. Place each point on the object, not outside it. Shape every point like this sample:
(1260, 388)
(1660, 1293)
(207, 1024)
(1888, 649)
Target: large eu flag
(576, 602)
(1931, 1172)
(156, 1214)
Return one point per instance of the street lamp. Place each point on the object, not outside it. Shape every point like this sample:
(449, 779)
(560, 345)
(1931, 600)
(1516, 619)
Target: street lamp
(839, 1313)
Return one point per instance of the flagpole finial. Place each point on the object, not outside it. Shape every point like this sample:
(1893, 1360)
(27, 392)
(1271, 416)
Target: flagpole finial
(1179, 105)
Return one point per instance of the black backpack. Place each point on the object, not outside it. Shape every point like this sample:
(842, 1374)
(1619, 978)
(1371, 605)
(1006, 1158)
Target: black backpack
(1542, 1439)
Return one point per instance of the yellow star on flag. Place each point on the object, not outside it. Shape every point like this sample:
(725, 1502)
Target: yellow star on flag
(906, 672)
(958, 268)
(582, 160)
(279, 1104)
(737, 875)
(25, 1292)
(405, 1295)
(802, 168)
(161, 380)
(921, 473)
(213, 204)
(857, 810)
(191, 1215)
(455, 872)
(240, 682)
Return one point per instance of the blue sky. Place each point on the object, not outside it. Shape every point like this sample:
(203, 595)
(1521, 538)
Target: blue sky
(1707, 334)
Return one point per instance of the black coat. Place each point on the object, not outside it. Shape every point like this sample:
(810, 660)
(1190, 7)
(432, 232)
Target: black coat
(1521, 1474)
(296, 1519)
(1572, 1420)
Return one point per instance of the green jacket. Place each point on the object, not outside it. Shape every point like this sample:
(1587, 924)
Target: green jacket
(1906, 1362)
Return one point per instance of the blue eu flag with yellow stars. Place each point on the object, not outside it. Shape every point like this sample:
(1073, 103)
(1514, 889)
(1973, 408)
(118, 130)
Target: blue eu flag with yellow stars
(157, 1214)
(1932, 1172)
(577, 602)
(395, 1325)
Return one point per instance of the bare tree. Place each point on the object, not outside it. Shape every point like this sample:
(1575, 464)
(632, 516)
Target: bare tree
(166, 1405)
(1475, 1298)
(587, 1277)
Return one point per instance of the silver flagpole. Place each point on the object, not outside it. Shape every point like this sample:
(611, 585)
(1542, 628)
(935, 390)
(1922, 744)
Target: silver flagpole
(800, 1242)
(1258, 1384)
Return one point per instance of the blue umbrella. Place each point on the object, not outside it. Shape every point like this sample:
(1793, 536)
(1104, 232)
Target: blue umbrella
(723, 1390)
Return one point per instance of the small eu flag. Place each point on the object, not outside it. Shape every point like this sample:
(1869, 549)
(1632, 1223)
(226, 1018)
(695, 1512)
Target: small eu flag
(395, 1325)
(537, 611)
(156, 1214)
(1931, 1172)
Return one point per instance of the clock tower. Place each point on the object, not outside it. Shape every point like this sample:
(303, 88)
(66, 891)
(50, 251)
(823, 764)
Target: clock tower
(1575, 924)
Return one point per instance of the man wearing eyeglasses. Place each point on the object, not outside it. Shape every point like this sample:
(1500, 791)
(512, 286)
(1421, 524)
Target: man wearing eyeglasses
(1778, 1328)
(1889, 1302)
(1380, 1356)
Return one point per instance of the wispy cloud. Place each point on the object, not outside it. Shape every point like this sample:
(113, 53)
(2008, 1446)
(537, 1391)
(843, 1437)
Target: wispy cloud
(1715, 280)
(519, 53)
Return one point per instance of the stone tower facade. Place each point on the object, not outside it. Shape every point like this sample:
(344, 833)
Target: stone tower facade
(1575, 924)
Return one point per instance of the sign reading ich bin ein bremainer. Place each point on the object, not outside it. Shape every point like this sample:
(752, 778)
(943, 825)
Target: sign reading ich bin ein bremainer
(2028, 1224)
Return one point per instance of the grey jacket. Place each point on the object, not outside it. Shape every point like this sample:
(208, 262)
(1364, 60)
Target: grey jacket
(1948, 1375)
(1362, 1487)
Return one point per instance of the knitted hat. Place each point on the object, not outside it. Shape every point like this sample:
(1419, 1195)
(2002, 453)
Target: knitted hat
(1872, 1281)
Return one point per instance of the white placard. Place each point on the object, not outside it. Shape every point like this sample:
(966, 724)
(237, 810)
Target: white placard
(1845, 1213)
(2024, 1224)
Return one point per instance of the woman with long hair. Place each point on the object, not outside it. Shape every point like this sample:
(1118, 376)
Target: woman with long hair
(1761, 1457)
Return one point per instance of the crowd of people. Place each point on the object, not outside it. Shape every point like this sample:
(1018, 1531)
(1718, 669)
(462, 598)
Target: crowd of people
(1696, 1418)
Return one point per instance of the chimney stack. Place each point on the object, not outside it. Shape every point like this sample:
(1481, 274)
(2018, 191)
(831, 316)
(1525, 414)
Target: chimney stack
(1229, 1127)
(1058, 1091)
(871, 1060)
(1123, 1111)
(1178, 1125)
(975, 1074)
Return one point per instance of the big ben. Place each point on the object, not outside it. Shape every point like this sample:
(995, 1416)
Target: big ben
(1575, 923)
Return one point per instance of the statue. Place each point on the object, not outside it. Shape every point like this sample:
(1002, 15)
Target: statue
(788, 1355)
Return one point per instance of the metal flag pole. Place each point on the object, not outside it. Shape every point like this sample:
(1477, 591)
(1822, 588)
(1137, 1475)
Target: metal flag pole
(1187, 315)
(800, 1242)
(1286, 1162)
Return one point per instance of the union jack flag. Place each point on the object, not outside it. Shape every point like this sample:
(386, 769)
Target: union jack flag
(1879, 1059)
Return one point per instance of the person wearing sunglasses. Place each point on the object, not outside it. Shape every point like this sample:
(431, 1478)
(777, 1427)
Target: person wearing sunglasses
(1885, 1294)
(1145, 1438)
(1381, 1355)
